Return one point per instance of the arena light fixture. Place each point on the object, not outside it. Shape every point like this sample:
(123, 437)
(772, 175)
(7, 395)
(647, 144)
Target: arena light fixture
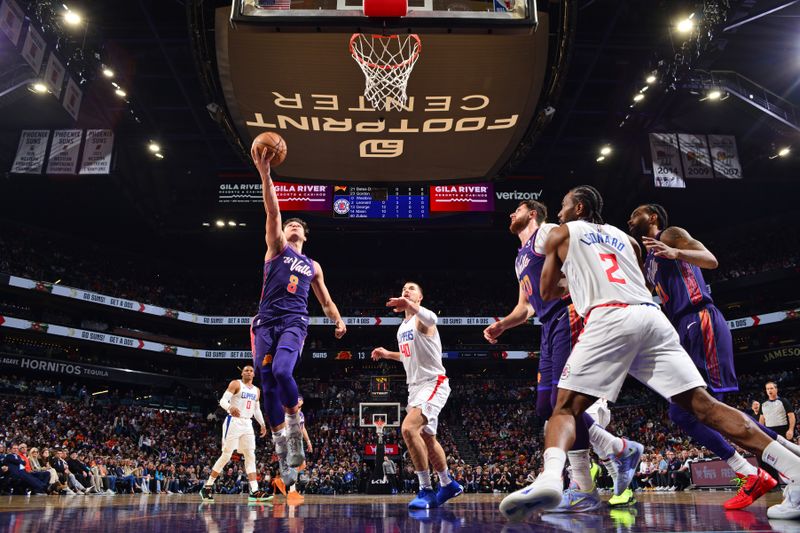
(38, 87)
(206, 224)
(686, 25)
(220, 223)
(121, 93)
(72, 18)
(100, 392)
(605, 150)
(783, 152)
(644, 89)
(107, 72)
(650, 79)
(154, 147)
(714, 94)
(232, 223)
(638, 98)
(242, 224)
(601, 159)
(159, 155)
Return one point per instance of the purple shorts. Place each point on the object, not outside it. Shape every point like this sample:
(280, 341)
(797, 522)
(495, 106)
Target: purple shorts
(560, 335)
(706, 337)
(265, 339)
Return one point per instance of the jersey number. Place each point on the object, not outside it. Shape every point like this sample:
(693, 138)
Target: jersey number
(292, 286)
(613, 268)
(248, 404)
(526, 285)
(405, 349)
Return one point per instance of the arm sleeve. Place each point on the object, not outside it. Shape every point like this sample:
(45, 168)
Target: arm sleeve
(225, 401)
(426, 317)
(258, 415)
(787, 406)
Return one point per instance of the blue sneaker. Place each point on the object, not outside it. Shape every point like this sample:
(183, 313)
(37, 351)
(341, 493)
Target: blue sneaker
(542, 494)
(426, 499)
(575, 500)
(626, 462)
(447, 492)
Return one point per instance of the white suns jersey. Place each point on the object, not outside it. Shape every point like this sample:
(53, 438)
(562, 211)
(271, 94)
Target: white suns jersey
(602, 268)
(245, 400)
(422, 354)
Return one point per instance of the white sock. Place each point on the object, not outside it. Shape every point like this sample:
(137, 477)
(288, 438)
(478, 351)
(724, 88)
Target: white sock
(279, 439)
(605, 441)
(783, 460)
(786, 443)
(580, 469)
(554, 461)
(210, 481)
(424, 480)
(444, 477)
(254, 486)
(741, 466)
(293, 423)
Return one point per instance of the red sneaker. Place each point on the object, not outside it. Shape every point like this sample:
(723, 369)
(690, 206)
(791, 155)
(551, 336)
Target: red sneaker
(751, 488)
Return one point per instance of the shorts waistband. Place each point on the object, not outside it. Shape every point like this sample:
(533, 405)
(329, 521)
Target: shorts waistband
(586, 318)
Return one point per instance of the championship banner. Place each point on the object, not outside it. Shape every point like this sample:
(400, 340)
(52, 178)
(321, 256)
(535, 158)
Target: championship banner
(54, 75)
(31, 151)
(695, 156)
(97, 150)
(11, 17)
(64, 151)
(291, 196)
(667, 171)
(725, 157)
(72, 103)
(476, 197)
(33, 49)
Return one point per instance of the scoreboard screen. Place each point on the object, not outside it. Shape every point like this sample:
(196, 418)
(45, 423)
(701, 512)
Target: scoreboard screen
(387, 202)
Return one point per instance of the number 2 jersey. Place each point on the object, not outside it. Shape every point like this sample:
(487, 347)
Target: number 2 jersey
(602, 267)
(422, 354)
(287, 280)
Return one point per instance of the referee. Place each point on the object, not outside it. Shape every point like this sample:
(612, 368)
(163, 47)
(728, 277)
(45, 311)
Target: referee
(776, 413)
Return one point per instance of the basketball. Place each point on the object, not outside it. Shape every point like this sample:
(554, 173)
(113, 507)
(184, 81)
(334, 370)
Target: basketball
(273, 142)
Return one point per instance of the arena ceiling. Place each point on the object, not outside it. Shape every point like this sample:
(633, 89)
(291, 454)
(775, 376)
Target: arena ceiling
(149, 43)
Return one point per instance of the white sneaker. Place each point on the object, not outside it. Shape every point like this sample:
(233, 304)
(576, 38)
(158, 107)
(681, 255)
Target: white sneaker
(541, 495)
(672, 488)
(789, 508)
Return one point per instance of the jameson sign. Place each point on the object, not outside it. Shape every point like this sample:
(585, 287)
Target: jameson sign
(80, 370)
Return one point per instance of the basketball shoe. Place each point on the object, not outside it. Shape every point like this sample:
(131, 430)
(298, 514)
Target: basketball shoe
(751, 488)
(626, 498)
(789, 508)
(259, 496)
(448, 492)
(575, 500)
(288, 474)
(206, 494)
(542, 494)
(426, 499)
(626, 463)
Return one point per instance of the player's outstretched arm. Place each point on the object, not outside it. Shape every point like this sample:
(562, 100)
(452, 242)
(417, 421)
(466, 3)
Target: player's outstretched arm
(383, 353)
(556, 248)
(676, 243)
(426, 319)
(521, 312)
(325, 300)
(276, 241)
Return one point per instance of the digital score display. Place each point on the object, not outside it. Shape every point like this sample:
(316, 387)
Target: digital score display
(393, 202)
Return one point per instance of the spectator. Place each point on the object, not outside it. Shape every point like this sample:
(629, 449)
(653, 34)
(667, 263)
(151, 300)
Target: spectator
(754, 411)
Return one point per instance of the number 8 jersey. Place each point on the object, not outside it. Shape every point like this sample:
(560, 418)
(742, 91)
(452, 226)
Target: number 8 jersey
(602, 268)
(287, 280)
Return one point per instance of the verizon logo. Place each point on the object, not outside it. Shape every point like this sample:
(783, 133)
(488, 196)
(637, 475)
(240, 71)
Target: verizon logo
(519, 195)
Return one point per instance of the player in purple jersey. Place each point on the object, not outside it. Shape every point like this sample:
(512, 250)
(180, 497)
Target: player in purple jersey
(279, 329)
(561, 327)
(672, 269)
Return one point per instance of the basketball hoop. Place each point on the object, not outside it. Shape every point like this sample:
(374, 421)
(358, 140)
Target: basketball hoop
(387, 62)
(379, 427)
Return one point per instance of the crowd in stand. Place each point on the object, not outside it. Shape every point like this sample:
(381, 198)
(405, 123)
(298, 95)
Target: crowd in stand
(37, 255)
(63, 440)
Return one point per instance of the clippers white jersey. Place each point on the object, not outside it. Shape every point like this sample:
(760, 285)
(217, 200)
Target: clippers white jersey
(601, 267)
(245, 400)
(422, 354)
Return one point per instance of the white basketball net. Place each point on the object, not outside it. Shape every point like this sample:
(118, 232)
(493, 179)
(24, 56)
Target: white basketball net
(387, 62)
(379, 427)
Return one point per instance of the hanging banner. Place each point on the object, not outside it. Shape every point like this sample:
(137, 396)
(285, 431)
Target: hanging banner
(725, 157)
(33, 49)
(695, 156)
(72, 99)
(64, 151)
(54, 75)
(31, 151)
(11, 17)
(667, 170)
(97, 152)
